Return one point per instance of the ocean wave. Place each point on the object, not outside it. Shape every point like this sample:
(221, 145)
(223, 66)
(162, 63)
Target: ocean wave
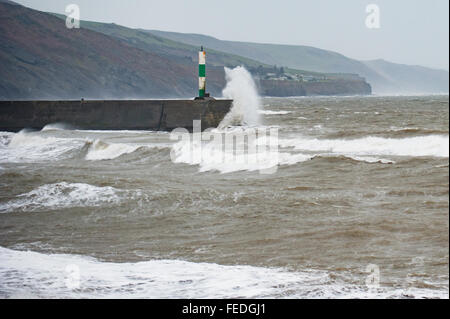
(28, 147)
(100, 150)
(226, 156)
(74, 276)
(269, 112)
(210, 156)
(366, 159)
(430, 145)
(416, 130)
(62, 195)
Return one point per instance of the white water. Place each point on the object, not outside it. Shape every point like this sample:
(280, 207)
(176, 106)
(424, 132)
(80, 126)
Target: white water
(29, 147)
(62, 195)
(226, 158)
(430, 145)
(246, 102)
(232, 156)
(269, 112)
(26, 274)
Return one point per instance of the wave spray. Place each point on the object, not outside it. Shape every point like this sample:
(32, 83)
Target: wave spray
(246, 101)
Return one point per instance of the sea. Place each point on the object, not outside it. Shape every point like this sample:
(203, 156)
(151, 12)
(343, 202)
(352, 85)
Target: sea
(351, 200)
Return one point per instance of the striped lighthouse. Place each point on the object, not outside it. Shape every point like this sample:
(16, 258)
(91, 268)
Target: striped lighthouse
(201, 73)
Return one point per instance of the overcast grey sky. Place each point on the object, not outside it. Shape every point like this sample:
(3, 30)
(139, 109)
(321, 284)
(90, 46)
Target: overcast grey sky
(411, 31)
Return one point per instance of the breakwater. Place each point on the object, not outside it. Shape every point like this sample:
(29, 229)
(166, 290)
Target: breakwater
(113, 114)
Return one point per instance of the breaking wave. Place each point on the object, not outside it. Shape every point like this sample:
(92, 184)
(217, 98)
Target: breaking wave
(28, 147)
(365, 159)
(269, 112)
(432, 145)
(62, 195)
(216, 157)
(73, 276)
(232, 156)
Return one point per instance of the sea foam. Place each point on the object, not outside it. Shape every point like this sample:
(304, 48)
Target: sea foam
(430, 145)
(62, 195)
(74, 276)
(29, 147)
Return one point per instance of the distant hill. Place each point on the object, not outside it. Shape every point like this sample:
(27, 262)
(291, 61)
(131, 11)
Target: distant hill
(41, 59)
(412, 79)
(384, 77)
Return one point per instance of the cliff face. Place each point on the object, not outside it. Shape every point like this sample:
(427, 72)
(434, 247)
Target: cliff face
(329, 87)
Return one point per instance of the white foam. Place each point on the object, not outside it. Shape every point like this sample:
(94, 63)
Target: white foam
(227, 157)
(30, 274)
(246, 102)
(226, 154)
(29, 147)
(269, 112)
(119, 132)
(369, 159)
(100, 150)
(62, 195)
(430, 145)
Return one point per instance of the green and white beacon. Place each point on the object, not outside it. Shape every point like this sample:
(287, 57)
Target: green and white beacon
(202, 75)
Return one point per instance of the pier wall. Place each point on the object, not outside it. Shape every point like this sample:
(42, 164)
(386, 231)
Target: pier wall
(113, 115)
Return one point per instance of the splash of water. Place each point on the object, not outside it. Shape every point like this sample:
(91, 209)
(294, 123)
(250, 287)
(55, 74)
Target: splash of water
(246, 101)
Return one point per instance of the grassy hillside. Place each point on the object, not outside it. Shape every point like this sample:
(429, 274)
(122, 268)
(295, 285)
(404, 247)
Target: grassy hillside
(41, 58)
(185, 53)
(385, 77)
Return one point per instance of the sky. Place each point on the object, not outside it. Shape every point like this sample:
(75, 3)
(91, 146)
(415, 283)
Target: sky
(410, 31)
